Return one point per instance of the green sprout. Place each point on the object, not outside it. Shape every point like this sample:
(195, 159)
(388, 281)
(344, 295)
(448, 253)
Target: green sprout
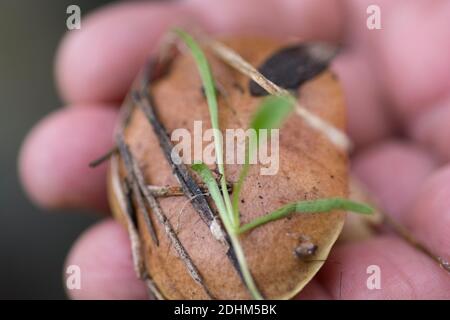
(270, 115)
(312, 206)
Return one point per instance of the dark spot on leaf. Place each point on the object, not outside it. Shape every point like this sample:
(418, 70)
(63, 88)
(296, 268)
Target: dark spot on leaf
(290, 67)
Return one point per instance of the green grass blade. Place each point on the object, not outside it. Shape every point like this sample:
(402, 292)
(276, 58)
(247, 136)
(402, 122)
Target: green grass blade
(210, 92)
(223, 202)
(205, 74)
(208, 178)
(270, 115)
(249, 282)
(313, 206)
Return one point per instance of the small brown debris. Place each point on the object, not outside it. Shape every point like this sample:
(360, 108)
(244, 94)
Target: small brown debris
(306, 248)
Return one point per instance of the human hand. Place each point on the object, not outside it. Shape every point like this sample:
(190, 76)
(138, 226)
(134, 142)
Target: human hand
(397, 84)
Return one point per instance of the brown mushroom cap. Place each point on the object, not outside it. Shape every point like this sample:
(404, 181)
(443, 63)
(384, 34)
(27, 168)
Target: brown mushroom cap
(310, 167)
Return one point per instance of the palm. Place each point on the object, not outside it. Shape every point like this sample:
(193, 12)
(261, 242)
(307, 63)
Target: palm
(396, 82)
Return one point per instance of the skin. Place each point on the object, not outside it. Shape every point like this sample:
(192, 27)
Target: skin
(397, 84)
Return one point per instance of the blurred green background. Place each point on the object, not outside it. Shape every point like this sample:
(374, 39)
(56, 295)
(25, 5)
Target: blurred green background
(33, 243)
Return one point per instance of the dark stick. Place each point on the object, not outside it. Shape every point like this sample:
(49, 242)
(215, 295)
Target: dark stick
(181, 172)
(134, 171)
(406, 235)
(130, 209)
(103, 158)
(188, 184)
(401, 230)
(125, 114)
(139, 263)
(141, 205)
(153, 289)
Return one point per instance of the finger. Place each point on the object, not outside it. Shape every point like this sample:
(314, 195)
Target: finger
(54, 160)
(430, 218)
(432, 130)
(404, 180)
(405, 273)
(99, 62)
(368, 120)
(394, 172)
(314, 290)
(104, 259)
(414, 71)
(306, 19)
(106, 270)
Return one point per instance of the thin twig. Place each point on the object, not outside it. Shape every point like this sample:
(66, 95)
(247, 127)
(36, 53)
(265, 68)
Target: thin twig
(398, 228)
(168, 191)
(181, 172)
(188, 184)
(123, 195)
(336, 136)
(407, 235)
(134, 171)
(154, 291)
(95, 163)
(176, 191)
(177, 228)
(142, 207)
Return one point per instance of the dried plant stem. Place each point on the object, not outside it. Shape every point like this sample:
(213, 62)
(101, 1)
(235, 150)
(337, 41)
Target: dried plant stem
(221, 197)
(175, 191)
(136, 174)
(125, 202)
(397, 227)
(336, 136)
(103, 158)
(169, 191)
(188, 184)
(181, 172)
(154, 291)
(141, 205)
(407, 235)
